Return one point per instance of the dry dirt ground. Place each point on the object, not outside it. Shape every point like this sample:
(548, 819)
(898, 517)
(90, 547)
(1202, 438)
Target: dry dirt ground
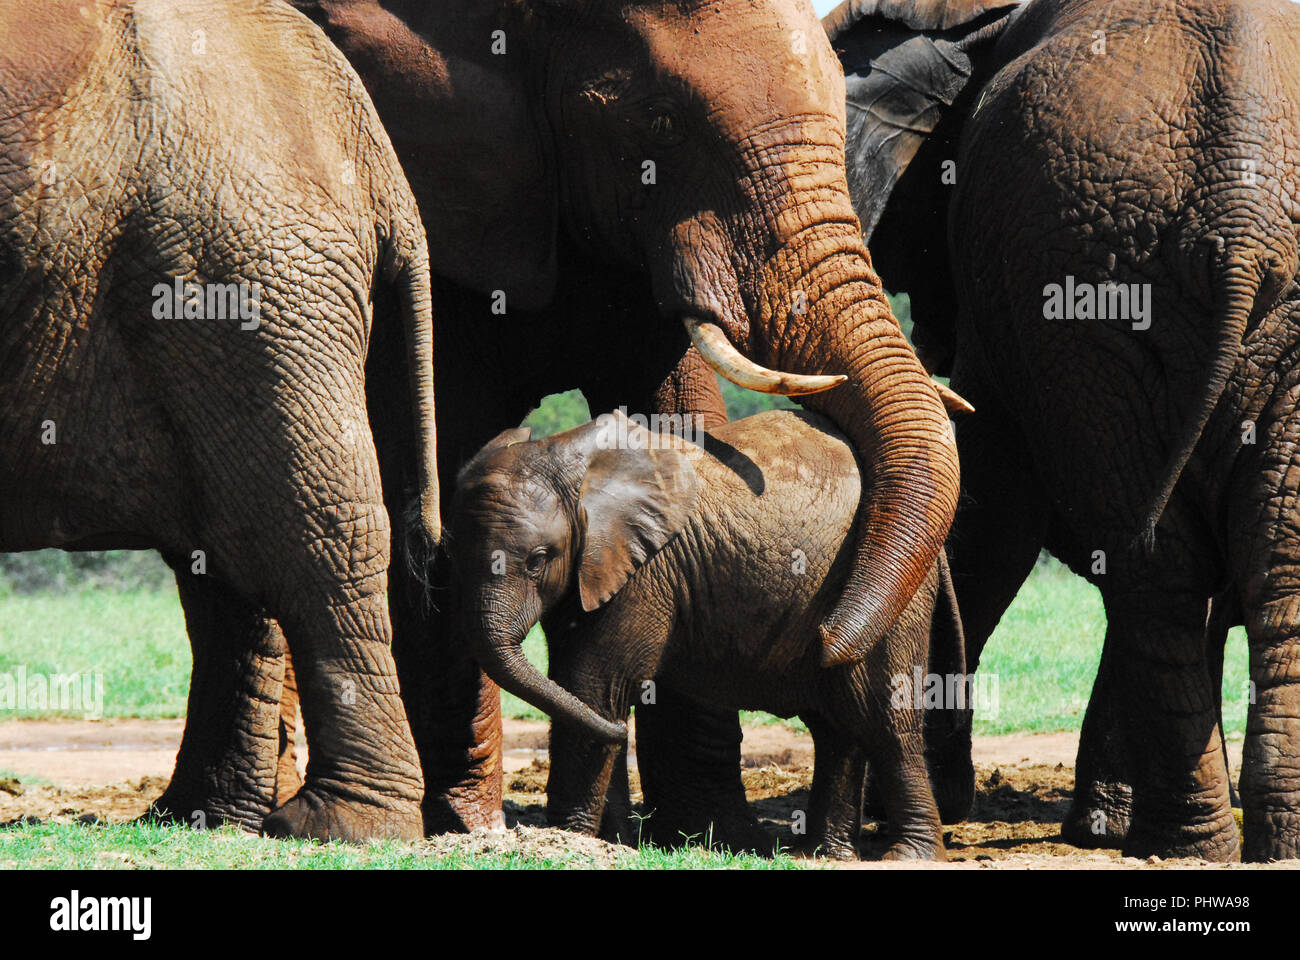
(113, 769)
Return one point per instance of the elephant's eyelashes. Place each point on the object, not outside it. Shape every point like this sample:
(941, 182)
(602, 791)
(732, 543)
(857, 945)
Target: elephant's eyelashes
(664, 124)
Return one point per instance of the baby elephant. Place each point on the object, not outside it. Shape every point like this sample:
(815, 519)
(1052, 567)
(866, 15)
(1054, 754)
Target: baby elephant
(709, 566)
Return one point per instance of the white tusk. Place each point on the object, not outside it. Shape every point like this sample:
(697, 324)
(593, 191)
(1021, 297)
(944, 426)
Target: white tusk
(953, 401)
(719, 354)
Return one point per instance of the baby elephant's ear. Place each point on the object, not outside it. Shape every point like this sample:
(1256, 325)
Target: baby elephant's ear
(634, 501)
(507, 437)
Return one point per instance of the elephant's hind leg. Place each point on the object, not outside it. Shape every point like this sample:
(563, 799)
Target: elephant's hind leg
(226, 767)
(1266, 565)
(1169, 713)
(363, 777)
(835, 804)
(1102, 805)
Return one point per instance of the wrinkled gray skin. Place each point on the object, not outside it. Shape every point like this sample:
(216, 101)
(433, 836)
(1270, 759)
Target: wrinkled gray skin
(141, 145)
(1165, 158)
(706, 567)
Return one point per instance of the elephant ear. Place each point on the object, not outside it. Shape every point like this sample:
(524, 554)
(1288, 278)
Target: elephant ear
(451, 88)
(637, 494)
(510, 437)
(905, 64)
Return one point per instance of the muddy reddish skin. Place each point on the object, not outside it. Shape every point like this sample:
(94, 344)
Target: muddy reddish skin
(126, 161)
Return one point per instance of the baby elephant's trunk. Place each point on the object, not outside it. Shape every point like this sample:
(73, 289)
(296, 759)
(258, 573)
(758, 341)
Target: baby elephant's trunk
(506, 664)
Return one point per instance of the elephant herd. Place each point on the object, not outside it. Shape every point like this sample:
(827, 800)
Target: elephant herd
(242, 240)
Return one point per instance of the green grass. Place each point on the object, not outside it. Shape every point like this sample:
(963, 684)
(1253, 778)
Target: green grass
(1045, 652)
(134, 638)
(160, 846)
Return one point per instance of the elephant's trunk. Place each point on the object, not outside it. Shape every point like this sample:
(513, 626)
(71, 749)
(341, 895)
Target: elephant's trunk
(503, 660)
(825, 312)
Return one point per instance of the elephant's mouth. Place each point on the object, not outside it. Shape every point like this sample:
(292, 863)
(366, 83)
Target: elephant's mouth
(719, 353)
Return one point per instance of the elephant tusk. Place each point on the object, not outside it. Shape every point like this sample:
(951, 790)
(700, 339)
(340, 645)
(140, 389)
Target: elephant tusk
(719, 354)
(953, 401)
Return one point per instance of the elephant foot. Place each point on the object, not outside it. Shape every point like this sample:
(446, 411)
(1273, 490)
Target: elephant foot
(738, 834)
(1099, 816)
(193, 808)
(1274, 836)
(829, 848)
(909, 848)
(1218, 842)
(318, 815)
(463, 811)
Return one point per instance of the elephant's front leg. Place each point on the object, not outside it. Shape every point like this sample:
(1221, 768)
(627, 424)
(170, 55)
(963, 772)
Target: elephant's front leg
(226, 767)
(1169, 715)
(998, 534)
(455, 712)
(582, 771)
(580, 775)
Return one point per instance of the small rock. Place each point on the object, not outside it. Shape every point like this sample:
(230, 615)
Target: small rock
(11, 785)
(89, 819)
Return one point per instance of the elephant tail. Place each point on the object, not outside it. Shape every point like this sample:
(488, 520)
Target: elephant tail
(1247, 276)
(409, 268)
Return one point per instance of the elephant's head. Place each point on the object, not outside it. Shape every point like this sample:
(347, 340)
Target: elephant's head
(700, 144)
(913, 70)
(534, 520)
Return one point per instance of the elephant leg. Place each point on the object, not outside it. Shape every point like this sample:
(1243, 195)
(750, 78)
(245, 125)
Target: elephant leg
(580, 775)
(585, 773)
(616, 825)
(454, 709)
(996, 539)
(226, 766)
(287, 779)
(363, 778)
(1169, 720)
(1102, 805)
(1267, 574)
(1270, 763)
(834, 818)
(455, 713)
(1103, 798)
(893, 741)
(329, 594)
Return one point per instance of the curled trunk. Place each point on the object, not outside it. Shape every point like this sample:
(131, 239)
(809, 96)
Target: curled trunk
(889, 408)
(504, 662)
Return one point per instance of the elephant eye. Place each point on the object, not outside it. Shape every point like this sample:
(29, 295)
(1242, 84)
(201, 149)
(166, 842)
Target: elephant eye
(666, 126)
(537, 559)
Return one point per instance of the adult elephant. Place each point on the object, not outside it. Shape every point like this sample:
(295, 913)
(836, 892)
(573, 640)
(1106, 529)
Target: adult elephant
(1094, 206)
(184, 318)
(603, 186)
